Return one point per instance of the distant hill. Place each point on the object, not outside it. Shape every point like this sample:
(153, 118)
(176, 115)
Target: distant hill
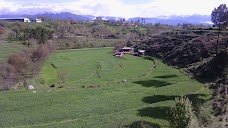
(65, 16)
(57, 16)
(171, 20)
(174, 20)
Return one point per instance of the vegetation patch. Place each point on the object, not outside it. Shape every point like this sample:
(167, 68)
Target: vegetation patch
(88, 101)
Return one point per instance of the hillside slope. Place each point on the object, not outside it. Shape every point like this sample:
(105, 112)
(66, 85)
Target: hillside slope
(197, 52)
(190, 49)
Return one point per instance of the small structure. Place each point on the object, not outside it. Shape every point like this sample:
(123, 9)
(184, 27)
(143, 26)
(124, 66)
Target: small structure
(141, 52)
(54, 35)
(16, 19)
(127, 50)
(30, 87)
(118, 54)
(38, 20)
(120, 51)
(124, 80)
(27, 20)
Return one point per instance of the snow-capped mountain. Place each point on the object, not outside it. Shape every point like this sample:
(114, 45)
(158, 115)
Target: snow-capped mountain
(174, 20)
(171, 20)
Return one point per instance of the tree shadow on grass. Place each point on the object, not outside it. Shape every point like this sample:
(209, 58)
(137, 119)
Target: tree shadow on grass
(142, 124)
(153, 83)
(166, 76)
(161, 112)
(194, 98)
(154, 112)
(157, 98)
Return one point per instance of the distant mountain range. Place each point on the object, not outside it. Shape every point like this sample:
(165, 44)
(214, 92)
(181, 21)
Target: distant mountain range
(171, 20)
(174, 20)
(59, 16)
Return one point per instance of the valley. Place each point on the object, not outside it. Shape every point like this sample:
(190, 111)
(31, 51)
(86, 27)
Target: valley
(87, 100)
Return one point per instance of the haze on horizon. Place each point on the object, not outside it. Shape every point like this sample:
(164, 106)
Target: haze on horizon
(116, 8)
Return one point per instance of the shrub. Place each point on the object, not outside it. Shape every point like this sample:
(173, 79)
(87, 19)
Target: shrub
(40, 54)
(23, 65)
(7, 76)
(20, 61)
(118, 46)
(182, 115)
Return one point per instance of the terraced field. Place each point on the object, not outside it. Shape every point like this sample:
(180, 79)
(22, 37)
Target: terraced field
(90, 88)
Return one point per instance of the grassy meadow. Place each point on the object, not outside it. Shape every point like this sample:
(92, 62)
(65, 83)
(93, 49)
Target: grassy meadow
(9, 47)
(93, 89)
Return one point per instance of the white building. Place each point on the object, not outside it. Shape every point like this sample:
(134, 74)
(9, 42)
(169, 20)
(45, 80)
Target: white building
(16, 19)
(38, 20)
(27, 20)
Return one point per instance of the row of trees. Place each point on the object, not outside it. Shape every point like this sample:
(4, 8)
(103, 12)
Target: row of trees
(23, 33)
(39, 33)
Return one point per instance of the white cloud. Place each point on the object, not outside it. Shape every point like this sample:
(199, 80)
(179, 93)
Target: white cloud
(117, 7)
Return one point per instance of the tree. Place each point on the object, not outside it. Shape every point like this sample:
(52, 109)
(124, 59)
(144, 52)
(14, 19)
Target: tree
(44, 36)
(219, 16)
(40, 54)
(38, 33)
(182, 115)
(20, 61)
(7, 76)
(118, 46)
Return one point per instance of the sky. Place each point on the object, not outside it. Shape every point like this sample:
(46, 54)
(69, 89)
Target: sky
(116, 8)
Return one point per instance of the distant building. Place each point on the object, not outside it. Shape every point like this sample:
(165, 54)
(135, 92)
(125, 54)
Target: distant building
(54, 35)
(39, 21)
(141, 52)
(16, 19)
(127, 50)
(118, 54)
(27, 20)
(98, 20)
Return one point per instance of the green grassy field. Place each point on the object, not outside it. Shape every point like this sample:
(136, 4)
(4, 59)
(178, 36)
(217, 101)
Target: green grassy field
(94, 96)
(7, 48)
